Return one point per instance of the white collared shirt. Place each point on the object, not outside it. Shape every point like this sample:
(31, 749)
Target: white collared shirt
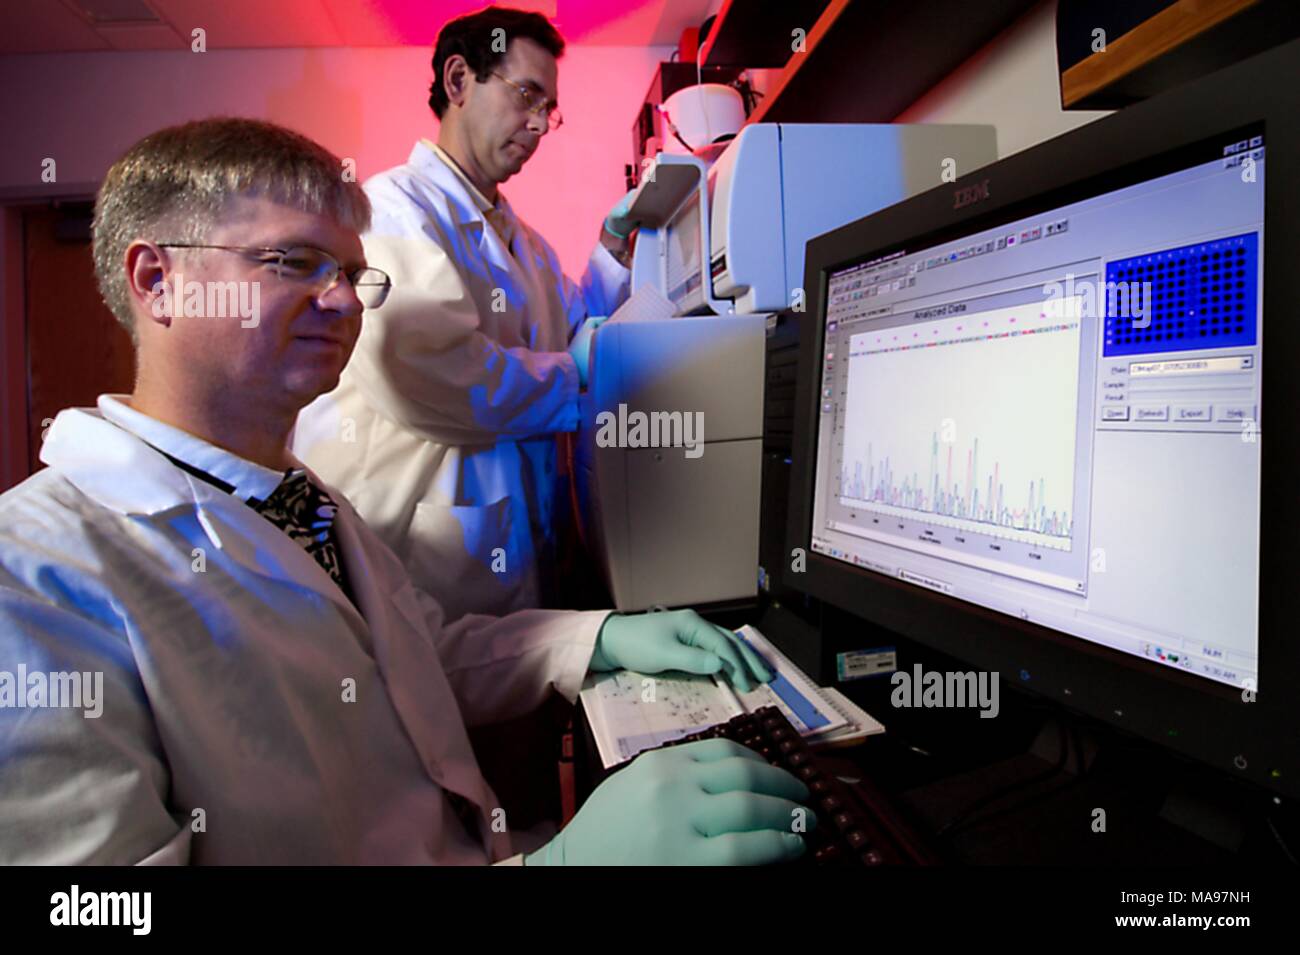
(499, 214)
(249, 480)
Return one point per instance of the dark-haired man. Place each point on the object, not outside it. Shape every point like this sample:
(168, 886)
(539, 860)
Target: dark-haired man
(442, 431)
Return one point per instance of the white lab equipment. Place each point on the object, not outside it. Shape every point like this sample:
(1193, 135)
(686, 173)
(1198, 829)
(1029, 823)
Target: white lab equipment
(724, 245)
(702, 114)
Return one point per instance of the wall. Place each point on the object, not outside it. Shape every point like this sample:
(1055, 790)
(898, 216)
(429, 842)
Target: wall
(1012, 83)
(85, 109)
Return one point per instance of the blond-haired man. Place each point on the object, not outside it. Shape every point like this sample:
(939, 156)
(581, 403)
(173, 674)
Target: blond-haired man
(205, 656)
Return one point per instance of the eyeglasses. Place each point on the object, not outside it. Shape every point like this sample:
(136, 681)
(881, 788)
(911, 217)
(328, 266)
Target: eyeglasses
(534, 102)
(310, 266)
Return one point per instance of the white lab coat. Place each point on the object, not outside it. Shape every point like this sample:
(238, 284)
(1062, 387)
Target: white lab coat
(442, 429)
(224, 680)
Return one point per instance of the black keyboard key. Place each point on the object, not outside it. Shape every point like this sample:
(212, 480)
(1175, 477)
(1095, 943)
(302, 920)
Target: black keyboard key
(828, 854)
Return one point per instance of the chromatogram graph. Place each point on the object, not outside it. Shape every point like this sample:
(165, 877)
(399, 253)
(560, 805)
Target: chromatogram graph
(992, 505)
(968, 422)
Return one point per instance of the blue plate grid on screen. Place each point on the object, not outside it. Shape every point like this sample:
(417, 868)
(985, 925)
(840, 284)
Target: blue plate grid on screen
(1203, 296)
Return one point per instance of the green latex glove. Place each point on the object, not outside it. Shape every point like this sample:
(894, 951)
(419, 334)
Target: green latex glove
(580, 347)
(713, 802)
(617, 222)
(677, 640)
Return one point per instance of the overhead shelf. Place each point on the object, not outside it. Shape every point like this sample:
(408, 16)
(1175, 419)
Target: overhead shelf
(1157, 44)
(865, 60)
(758, 34)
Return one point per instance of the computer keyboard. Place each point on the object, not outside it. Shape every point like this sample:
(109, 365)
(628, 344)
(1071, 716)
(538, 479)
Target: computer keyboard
(856, 825)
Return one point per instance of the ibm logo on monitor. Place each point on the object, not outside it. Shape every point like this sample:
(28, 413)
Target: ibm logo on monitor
(976, 193)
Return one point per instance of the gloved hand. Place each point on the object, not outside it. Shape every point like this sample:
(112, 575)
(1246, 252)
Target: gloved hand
(617, 222)
(712, 802)
(677, 640)
(580, 347)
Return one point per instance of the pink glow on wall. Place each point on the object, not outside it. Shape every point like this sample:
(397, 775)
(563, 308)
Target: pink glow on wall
(50, 26)
(608, 22)
(85, 109)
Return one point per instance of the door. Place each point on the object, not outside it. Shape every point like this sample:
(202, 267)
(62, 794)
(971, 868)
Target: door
(76, 349)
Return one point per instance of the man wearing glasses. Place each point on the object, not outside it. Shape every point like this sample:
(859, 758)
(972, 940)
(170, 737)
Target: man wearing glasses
(205, 656)
(443, 429)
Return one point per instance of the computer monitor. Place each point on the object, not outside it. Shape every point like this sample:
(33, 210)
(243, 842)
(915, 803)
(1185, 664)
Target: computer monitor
(1031, 423)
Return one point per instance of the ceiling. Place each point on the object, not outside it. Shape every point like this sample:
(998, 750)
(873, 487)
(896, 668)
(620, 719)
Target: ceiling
(59, 26)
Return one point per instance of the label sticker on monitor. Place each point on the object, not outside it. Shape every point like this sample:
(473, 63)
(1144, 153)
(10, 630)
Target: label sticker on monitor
(857, 664)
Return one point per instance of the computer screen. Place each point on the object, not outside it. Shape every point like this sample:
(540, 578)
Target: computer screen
(1058, 417)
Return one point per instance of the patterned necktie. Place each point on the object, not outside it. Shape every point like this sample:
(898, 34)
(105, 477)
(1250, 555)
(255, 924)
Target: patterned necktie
(505, 230)
(306, 513)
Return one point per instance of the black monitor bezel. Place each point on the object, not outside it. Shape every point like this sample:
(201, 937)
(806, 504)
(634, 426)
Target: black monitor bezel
(1193, 715)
